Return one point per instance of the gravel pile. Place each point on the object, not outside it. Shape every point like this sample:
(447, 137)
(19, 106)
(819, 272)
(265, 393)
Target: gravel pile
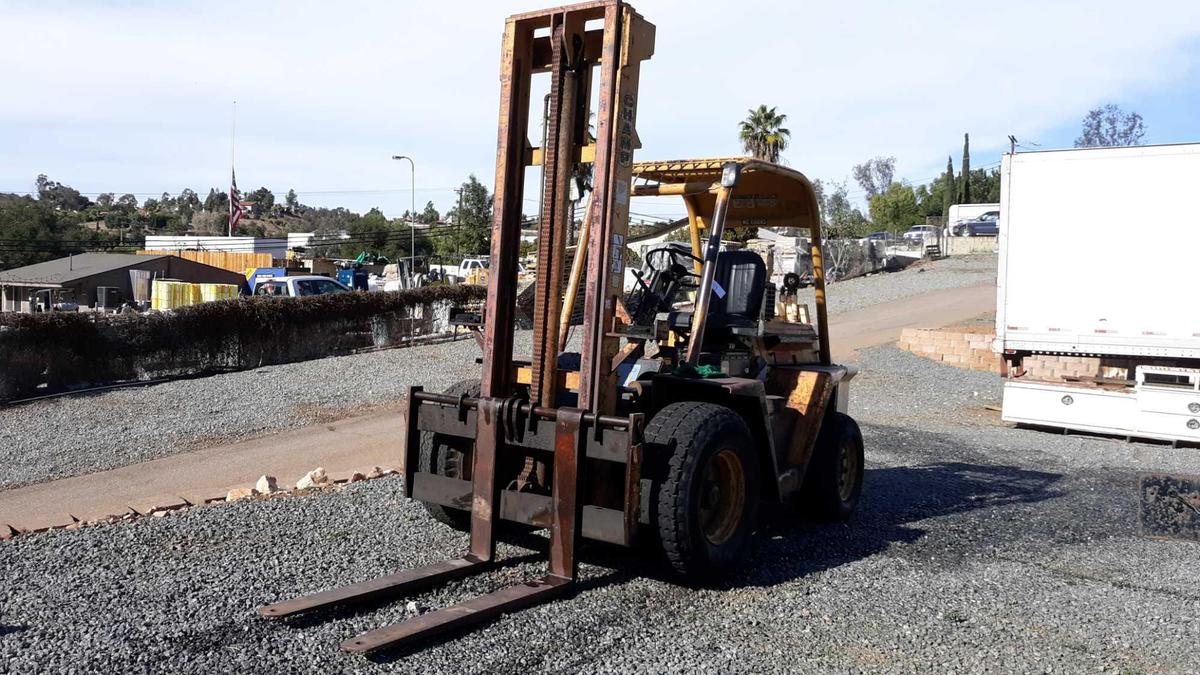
(978, 548)
(924, 277)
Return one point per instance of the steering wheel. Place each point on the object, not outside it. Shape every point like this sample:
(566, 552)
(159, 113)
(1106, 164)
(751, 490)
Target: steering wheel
(673, 255)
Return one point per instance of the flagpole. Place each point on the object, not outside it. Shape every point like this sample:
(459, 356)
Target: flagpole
(232, 170)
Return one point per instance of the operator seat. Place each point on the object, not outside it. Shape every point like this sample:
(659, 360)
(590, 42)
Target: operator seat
(742, 274)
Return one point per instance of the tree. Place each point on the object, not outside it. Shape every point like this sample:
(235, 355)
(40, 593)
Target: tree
(841, 226)
(875, 175)
(839, 218)
(763, 135)
(261, 201)
(59, 196)
(187, 204)
(105, 201)
(127, 203)
(1108, 126)
(210, 223)
(216, 201)
(985, 186)
(472, 233)
(291, 201)
(430, 215)
(948, 187)
(964, 196)
(896, 209)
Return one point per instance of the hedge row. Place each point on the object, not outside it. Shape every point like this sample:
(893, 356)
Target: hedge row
(48, 352)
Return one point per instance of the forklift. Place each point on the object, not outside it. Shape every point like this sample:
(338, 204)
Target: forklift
(693, 400)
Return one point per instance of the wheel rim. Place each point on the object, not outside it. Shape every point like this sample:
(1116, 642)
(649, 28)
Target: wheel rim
(847, 473)
(722, 496)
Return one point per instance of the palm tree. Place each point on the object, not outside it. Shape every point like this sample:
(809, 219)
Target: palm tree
(763, 135)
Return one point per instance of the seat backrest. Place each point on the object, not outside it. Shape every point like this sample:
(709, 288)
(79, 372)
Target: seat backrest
(743, 276)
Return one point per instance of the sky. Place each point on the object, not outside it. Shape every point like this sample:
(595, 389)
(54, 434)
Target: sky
(138, 95)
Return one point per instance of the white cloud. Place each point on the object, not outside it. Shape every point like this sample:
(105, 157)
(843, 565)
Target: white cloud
(136, 95)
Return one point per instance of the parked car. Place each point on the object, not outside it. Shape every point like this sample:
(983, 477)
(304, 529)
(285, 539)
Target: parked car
(881, 236)
(987, 225)
(918, 233)
(299, 286)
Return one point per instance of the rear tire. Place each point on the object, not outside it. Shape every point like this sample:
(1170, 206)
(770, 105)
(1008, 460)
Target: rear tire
(447, 456)
(707, 488)
(833, 482)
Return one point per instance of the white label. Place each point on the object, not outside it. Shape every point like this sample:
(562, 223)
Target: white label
(622, 196)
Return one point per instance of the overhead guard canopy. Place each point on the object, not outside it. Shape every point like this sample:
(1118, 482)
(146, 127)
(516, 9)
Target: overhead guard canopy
(767, 195)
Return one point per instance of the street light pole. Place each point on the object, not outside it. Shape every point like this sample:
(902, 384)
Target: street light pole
(412, 219)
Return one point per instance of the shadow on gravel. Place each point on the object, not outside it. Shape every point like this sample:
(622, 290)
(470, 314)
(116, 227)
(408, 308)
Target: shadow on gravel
(6, 630)
(894, 497)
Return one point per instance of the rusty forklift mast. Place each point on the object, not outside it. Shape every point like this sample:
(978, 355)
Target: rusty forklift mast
(606, 40)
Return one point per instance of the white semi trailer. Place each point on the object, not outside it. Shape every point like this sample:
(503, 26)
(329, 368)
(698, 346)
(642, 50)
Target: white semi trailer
(1098, 259)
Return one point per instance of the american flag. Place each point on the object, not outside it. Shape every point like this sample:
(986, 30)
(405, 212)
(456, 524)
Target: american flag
(235, 205)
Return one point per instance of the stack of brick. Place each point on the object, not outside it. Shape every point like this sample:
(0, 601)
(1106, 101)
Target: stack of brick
(962, 347)
(971, 347)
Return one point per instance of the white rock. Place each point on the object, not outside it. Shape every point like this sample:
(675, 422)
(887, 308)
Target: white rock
(266, 485)
(376, 472)
(357, 476)
(314, 478)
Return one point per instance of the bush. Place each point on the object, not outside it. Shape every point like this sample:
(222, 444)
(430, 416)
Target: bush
(43, 353)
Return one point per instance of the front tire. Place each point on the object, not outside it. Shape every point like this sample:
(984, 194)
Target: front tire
(450, 456)
(708, 489)
(833, 482)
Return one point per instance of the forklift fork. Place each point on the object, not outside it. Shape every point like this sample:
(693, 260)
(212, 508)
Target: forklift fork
(564, 537)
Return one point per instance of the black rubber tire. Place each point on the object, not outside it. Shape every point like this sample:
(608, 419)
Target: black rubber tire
(839, 439)
(689, 435)
(444, 455)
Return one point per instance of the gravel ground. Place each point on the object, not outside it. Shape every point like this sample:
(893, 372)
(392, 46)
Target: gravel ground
(977, 548)
(86, 433)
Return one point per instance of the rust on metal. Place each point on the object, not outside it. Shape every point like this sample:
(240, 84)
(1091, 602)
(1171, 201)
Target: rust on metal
(568, 479)
(474, 611)
(410, 454)
(628, 40)
(488, 439)
(516, 61)
(391, 586)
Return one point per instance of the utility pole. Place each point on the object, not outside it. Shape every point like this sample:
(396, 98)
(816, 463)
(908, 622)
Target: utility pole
(458, 222)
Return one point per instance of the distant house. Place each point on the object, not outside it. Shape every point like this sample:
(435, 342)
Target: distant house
(277, 247)
(78, 279)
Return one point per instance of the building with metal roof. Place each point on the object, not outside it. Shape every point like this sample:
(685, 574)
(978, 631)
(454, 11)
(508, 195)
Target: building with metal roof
(101, 280)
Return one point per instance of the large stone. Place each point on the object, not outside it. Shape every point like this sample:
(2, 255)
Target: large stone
(357, 476)
(376, 472)
(240, 493)
(312, 479)
(266, 485)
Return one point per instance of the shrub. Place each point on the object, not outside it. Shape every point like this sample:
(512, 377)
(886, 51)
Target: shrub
(42, 353)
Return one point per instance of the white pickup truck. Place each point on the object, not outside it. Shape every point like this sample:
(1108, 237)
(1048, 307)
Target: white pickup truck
(464, 269)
